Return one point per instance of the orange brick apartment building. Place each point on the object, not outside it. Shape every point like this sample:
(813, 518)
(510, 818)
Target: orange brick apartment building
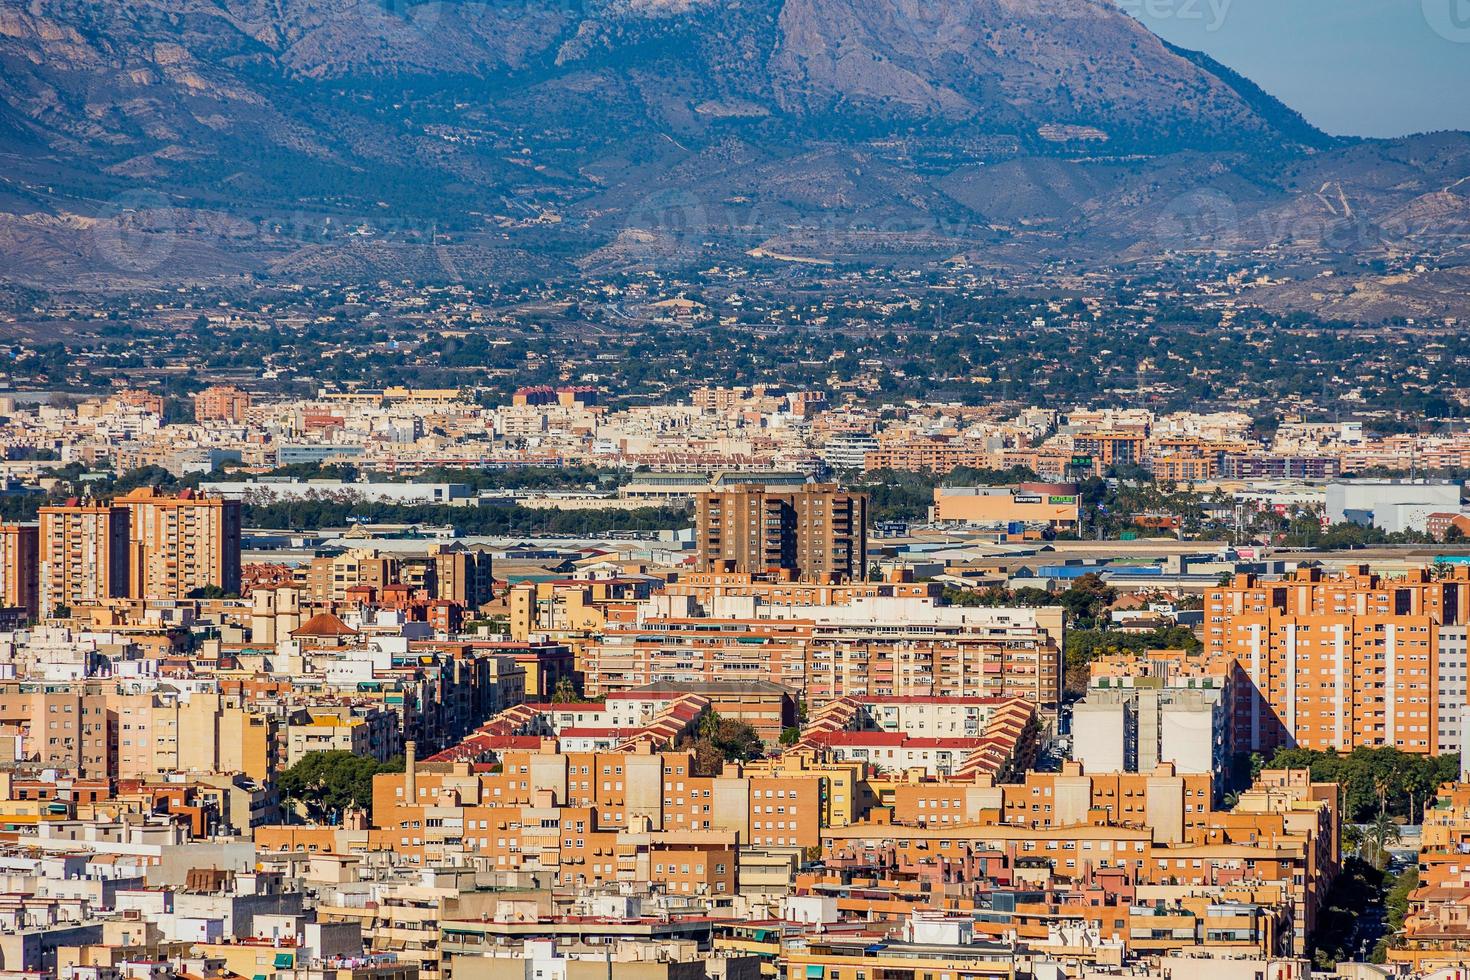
(1346, 660)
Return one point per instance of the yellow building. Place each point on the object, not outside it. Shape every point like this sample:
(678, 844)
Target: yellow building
(205, 733)
(846, 795)
(251, 957)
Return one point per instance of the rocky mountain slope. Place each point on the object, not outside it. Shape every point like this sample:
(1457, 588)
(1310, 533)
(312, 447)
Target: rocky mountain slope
(232, 134)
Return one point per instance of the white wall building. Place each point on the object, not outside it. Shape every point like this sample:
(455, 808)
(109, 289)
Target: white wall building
(1393, 505)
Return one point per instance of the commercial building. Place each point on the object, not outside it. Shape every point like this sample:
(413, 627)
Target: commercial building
(1048, 505)
(1393, 505)
(84, 555)
(812, 531)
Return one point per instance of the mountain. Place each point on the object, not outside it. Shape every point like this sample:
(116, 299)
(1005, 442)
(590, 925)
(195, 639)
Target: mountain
(276, 136)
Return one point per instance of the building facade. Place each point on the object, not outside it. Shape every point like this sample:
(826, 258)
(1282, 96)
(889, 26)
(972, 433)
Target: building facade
(20, 558)
(1337, 661)
(84, 555)
(182, 543)
(815, 530)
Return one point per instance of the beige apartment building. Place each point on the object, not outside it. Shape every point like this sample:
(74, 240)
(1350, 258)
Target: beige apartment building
(871, 647)
(462, 574)
(453, 572)
(84, 555)
(20, 560)
(367, 731)
(203, 733)
(221, 403)
(58, 726)
(812, 531)
(181, 543)
(894, 647)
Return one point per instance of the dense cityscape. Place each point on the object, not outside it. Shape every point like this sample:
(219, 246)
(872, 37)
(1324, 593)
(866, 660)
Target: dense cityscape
(760, 490)
(762, 681)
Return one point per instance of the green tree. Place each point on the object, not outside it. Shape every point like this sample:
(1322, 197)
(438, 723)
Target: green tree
(1375, 780)
(1379, 836)
(327, 783)
(719, 740)
(1086, 600)
(1336, 937)
(566, 692)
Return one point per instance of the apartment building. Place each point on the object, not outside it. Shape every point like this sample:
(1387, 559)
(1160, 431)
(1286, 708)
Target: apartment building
(221, 403)
(60, 726)
(1111, 448)
(900, 647)
(330, 579)
(782, 588)
(880, 646)
(1127, 836)
(591, 818)
(1337, 661)
(20, 558)
(1134, 729)
(924, 716)
(664, 649)
(928, 454)
(84, 555)
(203, 733)
(462, 574)
(181, 543)
(453, 572)
(1452, 688)
(567, 608)
(1262, 466)
(1437, 925)
(366, 731)
(812, 531)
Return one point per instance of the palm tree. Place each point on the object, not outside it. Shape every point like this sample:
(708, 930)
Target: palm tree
(1381, 834)
(709, 726)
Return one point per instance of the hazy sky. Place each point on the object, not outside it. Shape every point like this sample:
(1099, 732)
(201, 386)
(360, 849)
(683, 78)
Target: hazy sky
(1352, 67)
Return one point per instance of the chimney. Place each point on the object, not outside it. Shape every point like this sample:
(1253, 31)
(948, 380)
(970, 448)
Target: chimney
(410, 776)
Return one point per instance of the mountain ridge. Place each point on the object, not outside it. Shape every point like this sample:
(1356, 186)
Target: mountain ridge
(558, 126)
